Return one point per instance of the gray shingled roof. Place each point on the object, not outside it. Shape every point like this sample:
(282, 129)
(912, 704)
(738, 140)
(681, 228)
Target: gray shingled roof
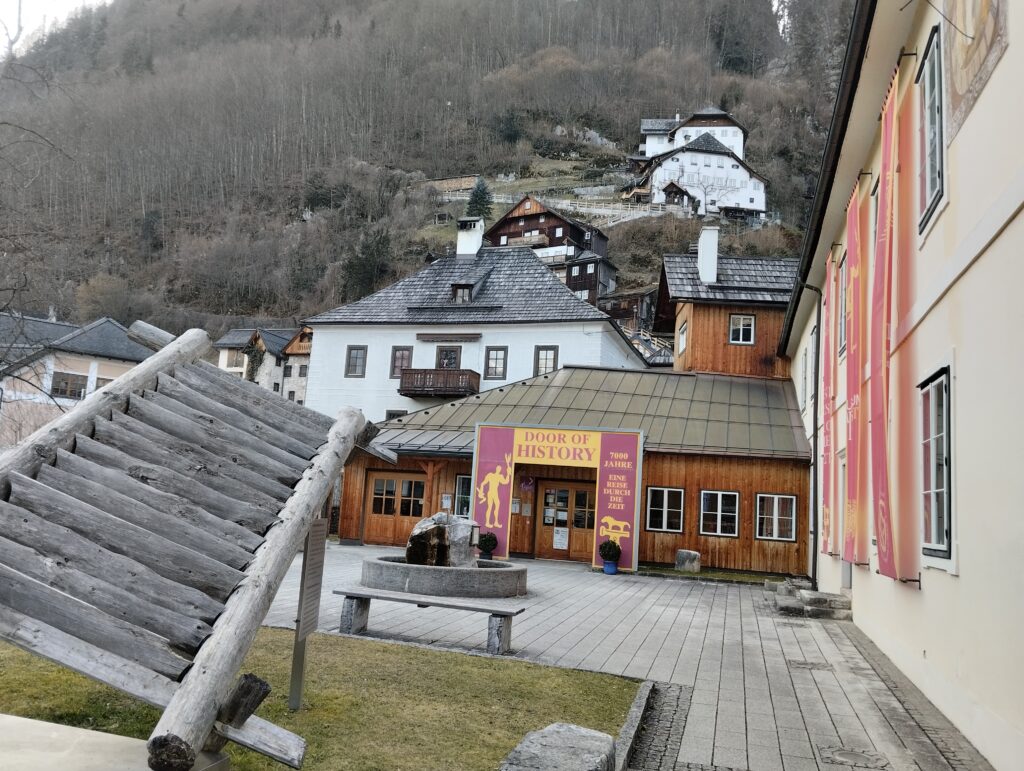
(657, 125)
(234, 338)
(515, 288)
(22, 335)
(678, 412)
(276, 339)
(706, 143)
(105, 338)
(740, 279)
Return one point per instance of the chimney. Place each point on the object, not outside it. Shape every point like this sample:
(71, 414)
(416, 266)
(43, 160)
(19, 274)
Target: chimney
(471, 236)
(677, 117)
(707, 254)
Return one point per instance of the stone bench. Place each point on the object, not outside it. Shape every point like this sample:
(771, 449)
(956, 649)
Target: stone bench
(355, 612)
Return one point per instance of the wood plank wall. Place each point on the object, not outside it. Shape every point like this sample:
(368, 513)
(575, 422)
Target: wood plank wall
(708, 348)
(693, 473)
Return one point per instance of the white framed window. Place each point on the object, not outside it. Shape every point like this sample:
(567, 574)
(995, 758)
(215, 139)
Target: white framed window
(707, 160)
(929, 81)
(590, 267)
(719, 513)
(693, 161)
(665, 509)
(776, 517)
(558, 232)
(721, 163)
(936, 516)
(528, 205)
(841, 316)
(463, 496)
(542, 218)
(681, 345)
(504, 240)
(741, 329)
(575, 270)
(582, 294)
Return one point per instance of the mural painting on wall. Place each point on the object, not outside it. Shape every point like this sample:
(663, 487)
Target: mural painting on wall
(975, 41)
(616, 455)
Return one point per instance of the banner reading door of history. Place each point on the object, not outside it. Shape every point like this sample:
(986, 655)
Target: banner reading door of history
(616, 455)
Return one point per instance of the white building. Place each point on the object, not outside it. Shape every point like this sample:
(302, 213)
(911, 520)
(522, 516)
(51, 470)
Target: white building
(277, 359)
(663, 134)
(469, 322)
(915, 240)
(698, 164)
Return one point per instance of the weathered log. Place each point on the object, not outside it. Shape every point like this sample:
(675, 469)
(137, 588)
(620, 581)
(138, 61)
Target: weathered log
(180, 630)
(316, 420)
(170, 481)
(149, 336)
(216, 436)
(249, 693)
(181, 532)
(121, 436)
(197, 455)
(61, 611)
(60, 543)
(172, 506)
(167, 558)
(137, 681)
(40, 447)
(169, 386)
(260, 404)
(192, 711)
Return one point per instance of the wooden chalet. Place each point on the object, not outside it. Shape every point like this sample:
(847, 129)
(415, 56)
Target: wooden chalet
(716, 451)
(531, 223)
(146, 531)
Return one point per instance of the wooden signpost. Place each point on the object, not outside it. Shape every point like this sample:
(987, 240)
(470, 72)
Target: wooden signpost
(309, 605)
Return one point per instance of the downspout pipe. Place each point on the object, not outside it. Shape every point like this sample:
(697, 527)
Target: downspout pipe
(815, 503)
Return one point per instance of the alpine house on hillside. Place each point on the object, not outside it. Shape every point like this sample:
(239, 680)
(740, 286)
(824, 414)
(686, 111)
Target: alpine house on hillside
(479, 319)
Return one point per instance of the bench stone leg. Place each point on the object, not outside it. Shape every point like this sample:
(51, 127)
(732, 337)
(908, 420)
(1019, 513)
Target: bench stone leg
(499, 634)
(355, 612)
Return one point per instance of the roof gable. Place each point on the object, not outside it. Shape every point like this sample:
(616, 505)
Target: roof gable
(677, 412)
(105, 338)
(512, 287)
(740, 279)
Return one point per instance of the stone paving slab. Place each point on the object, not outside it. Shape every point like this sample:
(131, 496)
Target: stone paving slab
(739, 686)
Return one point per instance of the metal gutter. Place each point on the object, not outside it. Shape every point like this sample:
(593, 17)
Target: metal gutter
(856, 49)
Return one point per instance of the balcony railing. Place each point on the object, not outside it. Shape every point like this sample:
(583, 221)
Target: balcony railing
(541, 239)
(439, 382)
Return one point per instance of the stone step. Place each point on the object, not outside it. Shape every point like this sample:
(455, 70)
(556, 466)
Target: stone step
(824, 600)
(789, 606)
(835, 614)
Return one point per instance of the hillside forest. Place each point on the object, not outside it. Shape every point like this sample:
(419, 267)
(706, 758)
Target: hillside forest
(228, 162)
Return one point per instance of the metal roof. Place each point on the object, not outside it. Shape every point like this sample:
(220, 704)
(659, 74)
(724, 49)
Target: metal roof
(514, 287)
(740, 279)
(678, 412)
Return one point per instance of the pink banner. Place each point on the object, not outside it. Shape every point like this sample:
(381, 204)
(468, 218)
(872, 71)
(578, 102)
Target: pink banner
(618, 485)
(878, 364)
(854, 522)
(493, 468)
(826, 411)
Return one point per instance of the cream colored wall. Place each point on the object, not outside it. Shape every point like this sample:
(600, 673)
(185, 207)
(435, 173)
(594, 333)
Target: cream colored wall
(957, 302)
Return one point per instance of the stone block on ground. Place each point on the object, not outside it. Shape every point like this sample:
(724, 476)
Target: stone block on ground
(562, 747)
(688, 561)
(789, 606)
(824, 600)
(818, 611)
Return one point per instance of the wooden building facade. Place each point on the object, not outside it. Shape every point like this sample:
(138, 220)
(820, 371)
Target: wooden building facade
(531, 223)
(725, 468)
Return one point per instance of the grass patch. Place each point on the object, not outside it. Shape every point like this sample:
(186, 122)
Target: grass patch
(714, 575)
(369, 705)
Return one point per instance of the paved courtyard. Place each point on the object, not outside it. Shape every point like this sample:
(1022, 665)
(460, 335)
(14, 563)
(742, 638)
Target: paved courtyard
(740, 686)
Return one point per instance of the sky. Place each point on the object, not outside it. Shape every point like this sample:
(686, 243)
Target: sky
(35, 12)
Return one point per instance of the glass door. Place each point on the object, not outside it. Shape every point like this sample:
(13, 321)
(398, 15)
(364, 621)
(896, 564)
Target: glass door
(565, 521)
(581, 539)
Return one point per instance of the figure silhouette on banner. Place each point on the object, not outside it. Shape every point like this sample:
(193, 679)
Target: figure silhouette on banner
(489, 491)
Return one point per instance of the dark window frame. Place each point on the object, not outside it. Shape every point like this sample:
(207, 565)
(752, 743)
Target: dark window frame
(944, 376)
(927, 207)
(392, 374)
(458, 356)
(67, 379)
(504, 362)
(536, 359)
(287, 371)
(349, 350)
(303, 370)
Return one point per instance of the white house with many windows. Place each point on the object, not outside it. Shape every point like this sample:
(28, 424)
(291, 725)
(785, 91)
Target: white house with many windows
(914, 241)
(663, 134)
(479, 319)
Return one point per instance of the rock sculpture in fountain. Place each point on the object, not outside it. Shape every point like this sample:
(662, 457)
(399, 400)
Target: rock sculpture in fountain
(441, 541)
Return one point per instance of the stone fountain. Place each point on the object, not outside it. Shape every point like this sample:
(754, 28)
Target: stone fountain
(440, 560)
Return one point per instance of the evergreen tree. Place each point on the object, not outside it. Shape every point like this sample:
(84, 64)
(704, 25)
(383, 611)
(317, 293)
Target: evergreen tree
(481, 201)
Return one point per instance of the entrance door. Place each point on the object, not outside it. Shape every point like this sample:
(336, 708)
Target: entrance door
(393, 506)
(565, 521)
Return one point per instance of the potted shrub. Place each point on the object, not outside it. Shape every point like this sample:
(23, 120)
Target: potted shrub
(610, 552)
(487, 544)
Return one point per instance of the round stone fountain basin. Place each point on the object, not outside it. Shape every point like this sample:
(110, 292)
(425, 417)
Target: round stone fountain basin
(489, 578)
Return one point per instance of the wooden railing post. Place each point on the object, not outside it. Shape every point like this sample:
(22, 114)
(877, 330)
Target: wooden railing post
(190, 714)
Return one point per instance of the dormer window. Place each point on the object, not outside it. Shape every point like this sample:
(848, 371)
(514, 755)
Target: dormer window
(528, 205)
(462, 293)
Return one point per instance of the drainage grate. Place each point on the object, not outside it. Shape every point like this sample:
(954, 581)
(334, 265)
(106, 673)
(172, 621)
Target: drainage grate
(817, 666)
(845, 756)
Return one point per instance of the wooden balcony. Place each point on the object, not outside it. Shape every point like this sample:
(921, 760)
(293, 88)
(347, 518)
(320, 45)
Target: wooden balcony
(541, 239)
(439, 382)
